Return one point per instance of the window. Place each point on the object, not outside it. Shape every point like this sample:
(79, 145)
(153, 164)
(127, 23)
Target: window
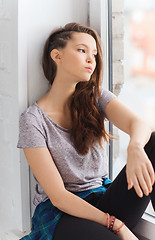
(139, 74)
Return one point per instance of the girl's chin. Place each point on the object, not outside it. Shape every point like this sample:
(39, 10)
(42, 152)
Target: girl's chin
(84, 80)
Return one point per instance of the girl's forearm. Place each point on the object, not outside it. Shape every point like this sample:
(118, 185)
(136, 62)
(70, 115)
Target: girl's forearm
(140, 134)
(76, 206)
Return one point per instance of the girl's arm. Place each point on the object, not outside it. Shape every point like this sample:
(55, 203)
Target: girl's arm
(140, 173)
(45, 171)
(47, 174)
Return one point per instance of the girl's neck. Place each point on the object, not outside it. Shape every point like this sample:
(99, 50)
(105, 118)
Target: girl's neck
(58, 97)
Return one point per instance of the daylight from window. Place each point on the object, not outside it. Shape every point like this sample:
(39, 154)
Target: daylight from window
(138, 90)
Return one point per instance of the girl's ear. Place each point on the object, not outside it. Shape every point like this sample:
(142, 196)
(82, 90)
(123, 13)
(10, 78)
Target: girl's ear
(56, 55)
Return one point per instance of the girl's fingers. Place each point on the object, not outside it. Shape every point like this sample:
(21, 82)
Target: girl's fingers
(141, 178)
(147, 179)
(150, 169)
(130, 183)
(151, 172)
(142, 182)
(137, 187)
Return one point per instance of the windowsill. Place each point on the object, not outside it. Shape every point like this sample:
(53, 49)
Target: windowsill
(149, 218)
(145, 230)
(11, 235)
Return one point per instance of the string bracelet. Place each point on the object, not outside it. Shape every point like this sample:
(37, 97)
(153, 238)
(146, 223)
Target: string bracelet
(108, 220)
(117, 230)
(110, 226)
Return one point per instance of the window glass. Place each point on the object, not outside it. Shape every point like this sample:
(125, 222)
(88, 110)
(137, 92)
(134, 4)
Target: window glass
(138, 90)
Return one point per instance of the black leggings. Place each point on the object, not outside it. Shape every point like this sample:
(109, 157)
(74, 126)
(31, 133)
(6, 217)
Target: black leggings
(117, 200)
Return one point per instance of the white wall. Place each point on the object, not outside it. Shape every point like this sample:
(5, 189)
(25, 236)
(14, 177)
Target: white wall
(47, 16)
(9, 157)
(24, 26)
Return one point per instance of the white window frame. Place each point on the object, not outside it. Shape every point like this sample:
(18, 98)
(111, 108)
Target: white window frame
(100, 18)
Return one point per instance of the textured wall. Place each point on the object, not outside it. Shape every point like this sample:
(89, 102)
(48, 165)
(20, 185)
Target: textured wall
(118, 55)
(9, 158)
(118, 45)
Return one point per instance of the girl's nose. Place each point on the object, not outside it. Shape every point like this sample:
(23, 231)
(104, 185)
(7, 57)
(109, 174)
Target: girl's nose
(89, 59)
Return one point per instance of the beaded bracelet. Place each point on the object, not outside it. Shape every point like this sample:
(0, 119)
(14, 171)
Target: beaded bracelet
(117, 230)
(110, 226)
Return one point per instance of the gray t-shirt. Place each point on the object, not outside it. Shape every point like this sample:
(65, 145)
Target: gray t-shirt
(79, 173)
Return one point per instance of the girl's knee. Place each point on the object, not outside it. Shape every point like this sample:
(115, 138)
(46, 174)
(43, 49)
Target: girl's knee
(152, 138)
(150, 148)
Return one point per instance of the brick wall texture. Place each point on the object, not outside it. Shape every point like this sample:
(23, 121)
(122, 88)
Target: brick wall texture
(118, 55)
(118, 45)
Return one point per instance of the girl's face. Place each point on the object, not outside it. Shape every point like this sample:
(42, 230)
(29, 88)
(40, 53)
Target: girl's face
(79, 57)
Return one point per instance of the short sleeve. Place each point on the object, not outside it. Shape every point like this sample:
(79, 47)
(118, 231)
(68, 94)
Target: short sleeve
(31, 133)
(105, 97)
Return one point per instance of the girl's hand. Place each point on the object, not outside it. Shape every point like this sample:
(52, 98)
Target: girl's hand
(139, 170)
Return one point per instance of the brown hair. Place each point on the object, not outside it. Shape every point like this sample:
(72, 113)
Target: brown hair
(87, 121)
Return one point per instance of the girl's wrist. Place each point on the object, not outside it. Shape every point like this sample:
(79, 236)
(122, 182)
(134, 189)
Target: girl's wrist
(114, 224)
(134, 146)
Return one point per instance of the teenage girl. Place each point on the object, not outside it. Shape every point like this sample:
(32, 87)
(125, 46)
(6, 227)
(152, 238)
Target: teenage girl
(64, 140)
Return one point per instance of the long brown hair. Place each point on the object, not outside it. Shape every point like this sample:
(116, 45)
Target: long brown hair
(87, 121)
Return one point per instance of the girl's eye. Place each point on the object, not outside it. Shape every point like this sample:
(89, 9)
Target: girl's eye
(95, 55)
(81, 50)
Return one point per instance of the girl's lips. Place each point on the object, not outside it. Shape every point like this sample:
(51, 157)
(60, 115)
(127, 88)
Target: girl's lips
(89, 69)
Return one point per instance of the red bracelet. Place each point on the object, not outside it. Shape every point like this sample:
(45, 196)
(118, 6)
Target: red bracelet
(117, 230)
(112, 224)
(108, 220)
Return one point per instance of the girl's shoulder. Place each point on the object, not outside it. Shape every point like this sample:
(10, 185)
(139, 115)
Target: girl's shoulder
(31, 130)
(31, 111)
(105, 97)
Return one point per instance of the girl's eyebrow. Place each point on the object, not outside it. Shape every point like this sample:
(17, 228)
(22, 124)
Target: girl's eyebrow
(86, 46)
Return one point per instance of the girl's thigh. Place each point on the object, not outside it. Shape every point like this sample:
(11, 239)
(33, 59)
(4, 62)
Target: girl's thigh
(70, 227)
(123, 203)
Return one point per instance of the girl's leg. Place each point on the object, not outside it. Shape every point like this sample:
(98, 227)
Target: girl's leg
(70, 227)
(117, 200)
(150, 150)
(121, 202)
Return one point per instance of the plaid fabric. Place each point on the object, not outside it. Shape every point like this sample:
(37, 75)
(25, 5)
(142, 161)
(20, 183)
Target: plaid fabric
(46, 215)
